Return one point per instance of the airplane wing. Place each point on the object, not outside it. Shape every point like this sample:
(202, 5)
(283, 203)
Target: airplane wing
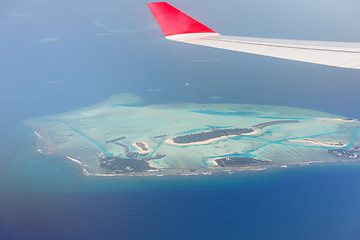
(179, 27)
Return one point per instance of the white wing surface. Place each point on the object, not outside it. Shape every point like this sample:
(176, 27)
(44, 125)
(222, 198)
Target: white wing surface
(178, 26)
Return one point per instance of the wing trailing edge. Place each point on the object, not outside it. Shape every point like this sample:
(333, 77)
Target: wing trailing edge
(178, 26)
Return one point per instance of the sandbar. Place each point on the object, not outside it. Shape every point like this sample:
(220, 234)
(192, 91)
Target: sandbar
(319, 143)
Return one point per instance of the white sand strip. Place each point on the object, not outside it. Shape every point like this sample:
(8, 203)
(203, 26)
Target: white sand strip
(76, 161)
(37, 134)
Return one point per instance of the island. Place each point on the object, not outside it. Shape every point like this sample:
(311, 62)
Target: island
(241, 162)
(119, 137)
(123, 165)
(142, 147)
(208, 136)
(353, 152)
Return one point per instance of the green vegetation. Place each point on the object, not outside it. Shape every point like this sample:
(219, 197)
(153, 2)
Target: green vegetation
(241, 162)
(123, 165)
(353, 152)
(203, 136)
(141, 145)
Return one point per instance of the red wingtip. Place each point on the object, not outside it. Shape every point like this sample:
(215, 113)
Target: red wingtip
(172, 21)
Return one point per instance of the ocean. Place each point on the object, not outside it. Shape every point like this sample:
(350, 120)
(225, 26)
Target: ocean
(48, 198)
(59, 56)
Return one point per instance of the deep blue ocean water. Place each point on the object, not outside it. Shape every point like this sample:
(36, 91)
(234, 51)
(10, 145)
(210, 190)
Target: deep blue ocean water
(54, 59)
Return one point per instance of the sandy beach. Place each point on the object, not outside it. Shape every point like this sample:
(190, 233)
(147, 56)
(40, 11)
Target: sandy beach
(213, 162)
(338, 119)
(324, 144)
(140, 150)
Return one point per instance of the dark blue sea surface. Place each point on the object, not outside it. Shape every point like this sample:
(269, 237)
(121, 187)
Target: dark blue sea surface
(311, 203)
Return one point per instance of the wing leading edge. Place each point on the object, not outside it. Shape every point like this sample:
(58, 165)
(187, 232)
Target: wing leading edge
(179, 27)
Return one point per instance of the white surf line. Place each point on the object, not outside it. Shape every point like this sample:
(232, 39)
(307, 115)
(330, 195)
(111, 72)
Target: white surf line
(37, 134)
(85, 172)
(76, 161)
